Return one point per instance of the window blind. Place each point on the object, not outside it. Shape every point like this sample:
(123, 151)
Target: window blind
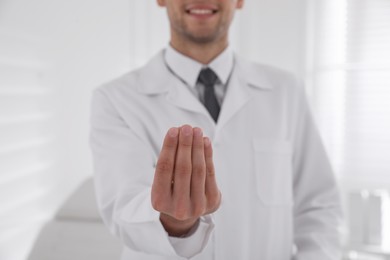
(350, 79)
(26, 143)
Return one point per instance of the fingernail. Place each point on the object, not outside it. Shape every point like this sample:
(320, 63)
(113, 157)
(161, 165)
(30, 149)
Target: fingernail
(198, 132)
(187, 130)
(173, 132)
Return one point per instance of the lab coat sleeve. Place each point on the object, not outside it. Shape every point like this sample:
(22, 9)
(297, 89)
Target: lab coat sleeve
(123, 171)
(317, 210)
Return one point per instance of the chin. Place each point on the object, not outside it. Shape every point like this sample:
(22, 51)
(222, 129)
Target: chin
(203, 38)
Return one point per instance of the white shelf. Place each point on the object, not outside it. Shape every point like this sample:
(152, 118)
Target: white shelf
(381, 251)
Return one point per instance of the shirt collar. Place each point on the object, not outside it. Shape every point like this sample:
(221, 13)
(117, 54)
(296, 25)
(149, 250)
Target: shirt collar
(188, 69)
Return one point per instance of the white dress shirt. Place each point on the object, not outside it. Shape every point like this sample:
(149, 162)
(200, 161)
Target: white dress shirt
(187, 70)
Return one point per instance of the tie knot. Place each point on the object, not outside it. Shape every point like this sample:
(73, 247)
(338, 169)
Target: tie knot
(207, 77)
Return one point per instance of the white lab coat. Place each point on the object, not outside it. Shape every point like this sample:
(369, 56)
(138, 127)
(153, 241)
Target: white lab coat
(277, 185)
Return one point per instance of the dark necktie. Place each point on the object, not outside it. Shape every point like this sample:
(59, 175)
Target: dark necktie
(208, 78)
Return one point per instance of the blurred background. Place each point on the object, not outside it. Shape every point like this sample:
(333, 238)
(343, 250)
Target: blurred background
(54, 53)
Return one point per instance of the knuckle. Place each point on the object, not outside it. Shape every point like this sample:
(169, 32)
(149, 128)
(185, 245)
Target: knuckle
(183, 168)
(198, 169)
(210, 171)
(157, 203)
(164, 165)
(181, 214)
(199, 209)
(198, 144)
(185, 146)
(208, 152)
(181, 210)
(169, 145)
(213, 202)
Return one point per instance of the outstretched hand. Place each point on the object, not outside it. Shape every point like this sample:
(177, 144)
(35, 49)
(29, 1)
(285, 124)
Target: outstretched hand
(184, 186)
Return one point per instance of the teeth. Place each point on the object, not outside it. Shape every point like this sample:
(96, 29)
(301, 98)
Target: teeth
(201, 11)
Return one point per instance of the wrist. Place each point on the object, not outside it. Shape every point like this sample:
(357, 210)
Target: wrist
(177, 228)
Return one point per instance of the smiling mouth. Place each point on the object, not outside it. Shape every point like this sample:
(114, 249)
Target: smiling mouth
(201, 11)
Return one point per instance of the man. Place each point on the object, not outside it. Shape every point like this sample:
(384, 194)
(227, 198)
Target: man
(202, 155)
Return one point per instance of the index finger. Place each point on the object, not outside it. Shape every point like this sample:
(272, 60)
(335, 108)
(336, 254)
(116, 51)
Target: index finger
(165, 165)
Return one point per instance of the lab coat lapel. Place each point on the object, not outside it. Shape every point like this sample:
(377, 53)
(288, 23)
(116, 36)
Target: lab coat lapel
(157, 79)
(245, 76)
(180, 96)
(237, 96)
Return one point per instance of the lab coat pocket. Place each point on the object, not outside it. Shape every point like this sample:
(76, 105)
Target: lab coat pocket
(273, 171)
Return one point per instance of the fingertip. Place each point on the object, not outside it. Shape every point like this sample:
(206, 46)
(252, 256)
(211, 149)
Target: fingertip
(186, 130)
(198, 132)
(173, 132)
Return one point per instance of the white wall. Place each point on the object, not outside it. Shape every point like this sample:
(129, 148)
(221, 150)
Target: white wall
(70, 47)
(52, 54)
(272, 32)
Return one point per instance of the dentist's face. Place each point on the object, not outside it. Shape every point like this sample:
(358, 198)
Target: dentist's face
(200, 21)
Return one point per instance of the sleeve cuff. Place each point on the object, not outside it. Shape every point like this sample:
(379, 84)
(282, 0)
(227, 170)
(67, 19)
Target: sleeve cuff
(194, 243)
(141, 229)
